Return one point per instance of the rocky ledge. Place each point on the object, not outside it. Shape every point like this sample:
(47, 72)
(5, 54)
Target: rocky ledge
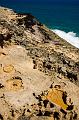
(39, 71)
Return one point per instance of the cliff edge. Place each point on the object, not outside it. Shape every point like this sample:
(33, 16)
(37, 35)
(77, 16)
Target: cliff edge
(39, 71)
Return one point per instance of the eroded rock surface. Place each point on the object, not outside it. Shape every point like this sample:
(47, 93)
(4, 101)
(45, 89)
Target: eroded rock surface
(39, 71)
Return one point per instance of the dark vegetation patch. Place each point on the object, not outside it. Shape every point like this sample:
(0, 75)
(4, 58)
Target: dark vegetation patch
(45, 102)
(17, 77)
(71, 75)
(23, 118)
(56, 115)
(1, 86)
(64, 97)
(1, 117)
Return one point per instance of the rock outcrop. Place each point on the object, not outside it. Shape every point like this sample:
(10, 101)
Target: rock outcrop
(39, 71)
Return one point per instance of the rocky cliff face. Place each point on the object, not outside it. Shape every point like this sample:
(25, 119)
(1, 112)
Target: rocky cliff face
(39, 71)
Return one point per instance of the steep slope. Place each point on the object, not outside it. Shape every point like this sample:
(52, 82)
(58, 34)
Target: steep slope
(39, 71)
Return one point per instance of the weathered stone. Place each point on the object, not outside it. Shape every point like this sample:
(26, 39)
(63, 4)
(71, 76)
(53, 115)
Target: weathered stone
(8, 68)
(56, 96)
(33, 70)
